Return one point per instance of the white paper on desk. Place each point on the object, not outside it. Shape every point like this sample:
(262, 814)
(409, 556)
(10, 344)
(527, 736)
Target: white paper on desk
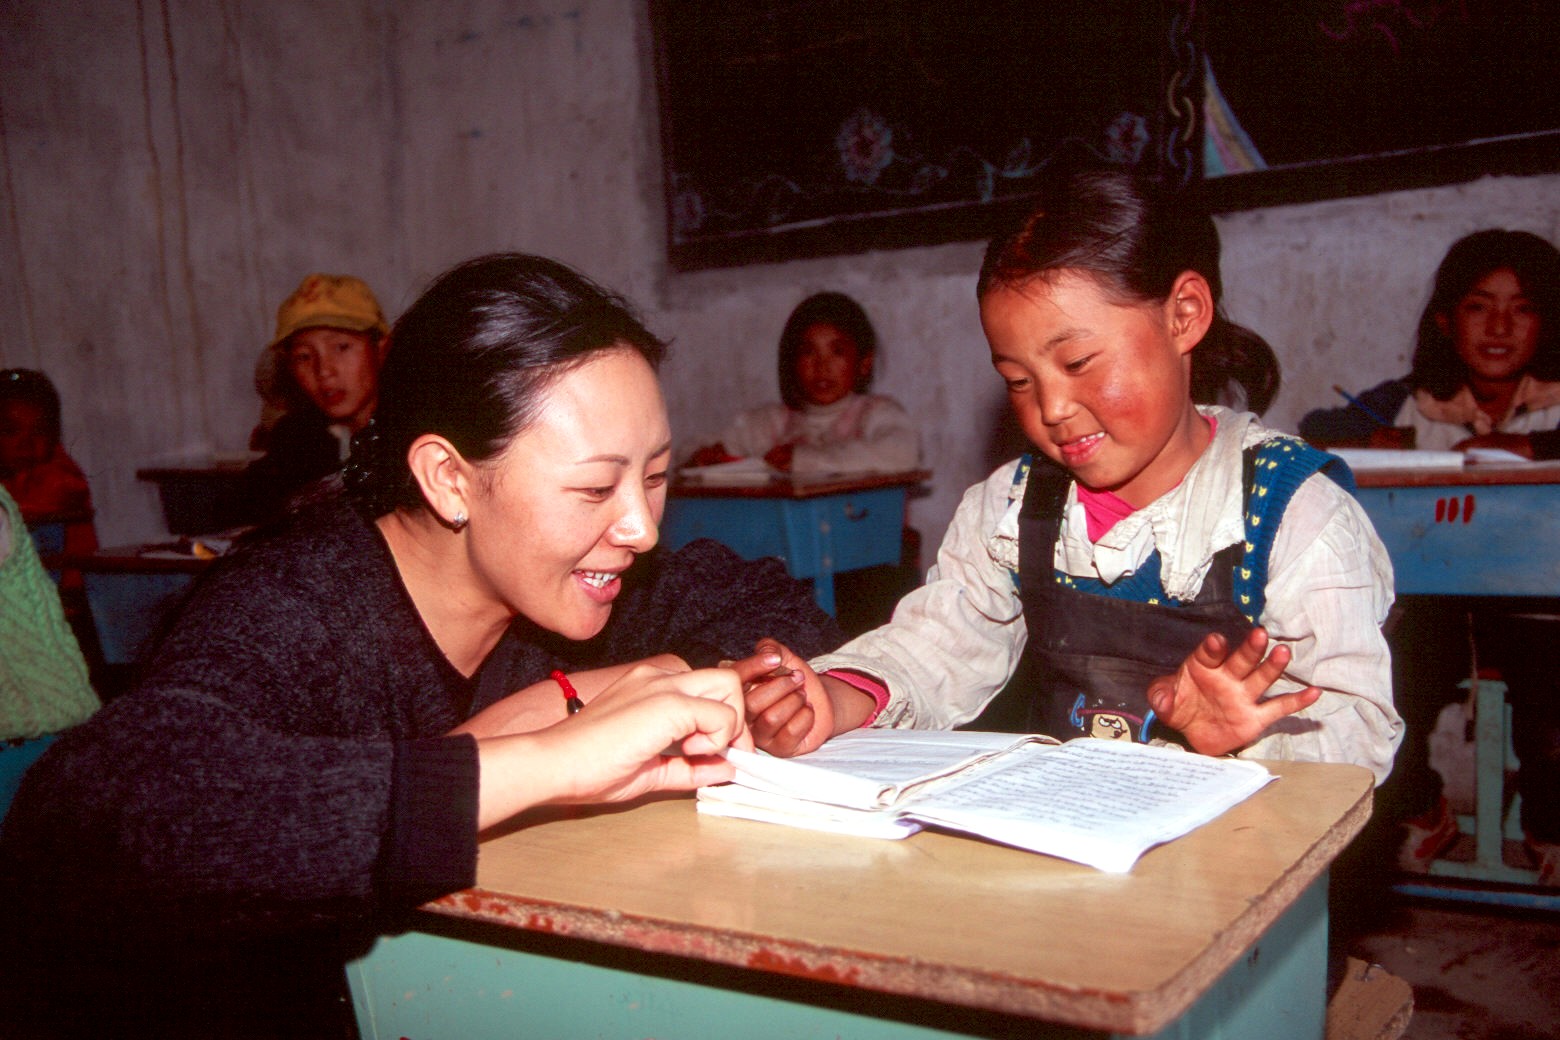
(749, 803)
(1098, 802)
(1360, 459)
(738, 472)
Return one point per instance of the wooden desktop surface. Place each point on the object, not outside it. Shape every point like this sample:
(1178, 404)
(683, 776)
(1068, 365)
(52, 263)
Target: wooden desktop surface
(1480, 475)
(935, 916)
(798, 488)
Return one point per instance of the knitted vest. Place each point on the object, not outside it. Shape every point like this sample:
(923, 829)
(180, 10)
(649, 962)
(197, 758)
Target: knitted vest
(43, 678)
(1272, 472)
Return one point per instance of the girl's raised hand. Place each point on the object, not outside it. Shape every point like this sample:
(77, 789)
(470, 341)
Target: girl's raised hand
(1215, 699)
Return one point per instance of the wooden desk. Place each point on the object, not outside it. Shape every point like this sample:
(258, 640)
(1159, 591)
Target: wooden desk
(818, 528)
(1481, 530)
(1475, 531)
(192, 492)
(654, 921)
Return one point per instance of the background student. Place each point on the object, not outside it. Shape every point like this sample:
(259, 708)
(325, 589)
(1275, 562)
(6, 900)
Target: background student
(35, 468)
(320, 378)
(1486, 373)
(48, 486)
(826, 421)
(341, 706)
(1155, 570)
(1486, 370)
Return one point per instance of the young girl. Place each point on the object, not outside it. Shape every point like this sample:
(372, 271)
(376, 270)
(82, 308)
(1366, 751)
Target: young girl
(41, 477)
(34, 466)
(827, 422)
(1136, 569)
(1486, 371)
(324, 361)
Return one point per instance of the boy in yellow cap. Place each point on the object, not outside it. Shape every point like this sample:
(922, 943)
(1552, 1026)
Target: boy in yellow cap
(319, 378)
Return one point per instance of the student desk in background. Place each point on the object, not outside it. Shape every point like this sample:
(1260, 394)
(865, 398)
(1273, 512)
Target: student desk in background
(1484, 530)
(192, 491)
(1481, 530)
(651, 920)
(129, 591)
(818, 527)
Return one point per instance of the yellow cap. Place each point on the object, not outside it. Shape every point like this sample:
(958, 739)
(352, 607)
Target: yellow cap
(336, 301)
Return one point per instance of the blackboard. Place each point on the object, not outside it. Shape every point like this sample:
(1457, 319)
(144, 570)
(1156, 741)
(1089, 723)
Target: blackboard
(815, 126)
(1342, 97)
(805, 127)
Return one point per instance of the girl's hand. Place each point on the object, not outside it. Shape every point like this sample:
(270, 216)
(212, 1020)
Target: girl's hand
(1517, 443)
(1400, 438)
(653, 729)
(1215, 698)
(780, 456)
(712, 455)
(792, 710)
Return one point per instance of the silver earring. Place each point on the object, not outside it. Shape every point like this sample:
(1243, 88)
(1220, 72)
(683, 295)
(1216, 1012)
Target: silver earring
(460, 520)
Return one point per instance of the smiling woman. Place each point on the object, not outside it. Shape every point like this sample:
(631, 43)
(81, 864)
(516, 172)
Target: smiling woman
(341, 706)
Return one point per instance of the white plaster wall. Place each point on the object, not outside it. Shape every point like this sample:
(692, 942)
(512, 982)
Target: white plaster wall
(165, 186)
(170, 172)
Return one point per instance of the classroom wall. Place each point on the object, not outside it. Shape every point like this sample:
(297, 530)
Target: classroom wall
(171, 170)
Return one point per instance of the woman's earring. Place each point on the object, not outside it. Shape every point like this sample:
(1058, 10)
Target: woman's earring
(459, 521)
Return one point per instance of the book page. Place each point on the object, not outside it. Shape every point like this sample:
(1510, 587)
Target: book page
(1092, 801)
(747, 803)
(871, 768)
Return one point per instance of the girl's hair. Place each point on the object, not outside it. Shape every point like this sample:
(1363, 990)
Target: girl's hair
(1136, 239)
(472, 360)
(1536, 263)
(825, 308)
(33, 387)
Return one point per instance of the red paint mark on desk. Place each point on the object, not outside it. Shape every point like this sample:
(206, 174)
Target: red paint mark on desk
(1447, 510)
(769, 960)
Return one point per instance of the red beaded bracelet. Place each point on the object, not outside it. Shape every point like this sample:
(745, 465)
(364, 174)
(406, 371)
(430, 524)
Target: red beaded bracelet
(571, 696)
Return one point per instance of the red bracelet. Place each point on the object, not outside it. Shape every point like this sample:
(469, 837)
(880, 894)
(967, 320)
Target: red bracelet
(571, 696)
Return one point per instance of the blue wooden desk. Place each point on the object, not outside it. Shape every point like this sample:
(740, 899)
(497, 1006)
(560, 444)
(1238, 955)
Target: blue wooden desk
(1475, 531)
(1481, 530)
(818, 528)
(129, 593)
(655, 921)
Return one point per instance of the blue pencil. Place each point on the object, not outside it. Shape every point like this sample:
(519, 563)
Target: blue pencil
(1355, 401)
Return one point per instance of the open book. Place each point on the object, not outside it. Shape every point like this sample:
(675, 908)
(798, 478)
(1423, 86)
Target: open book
(1097, 802)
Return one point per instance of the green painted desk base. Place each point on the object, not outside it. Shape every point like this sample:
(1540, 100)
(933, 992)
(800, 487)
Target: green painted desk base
(453, 979)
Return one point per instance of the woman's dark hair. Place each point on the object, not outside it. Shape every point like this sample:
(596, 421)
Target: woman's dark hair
(35, 388)
(1536, 263)
(472, 360)
(825, 308)
(1136, 239)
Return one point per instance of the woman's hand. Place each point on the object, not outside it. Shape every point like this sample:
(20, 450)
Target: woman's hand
(653, 729)
(1215, 698)
(791, 709)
